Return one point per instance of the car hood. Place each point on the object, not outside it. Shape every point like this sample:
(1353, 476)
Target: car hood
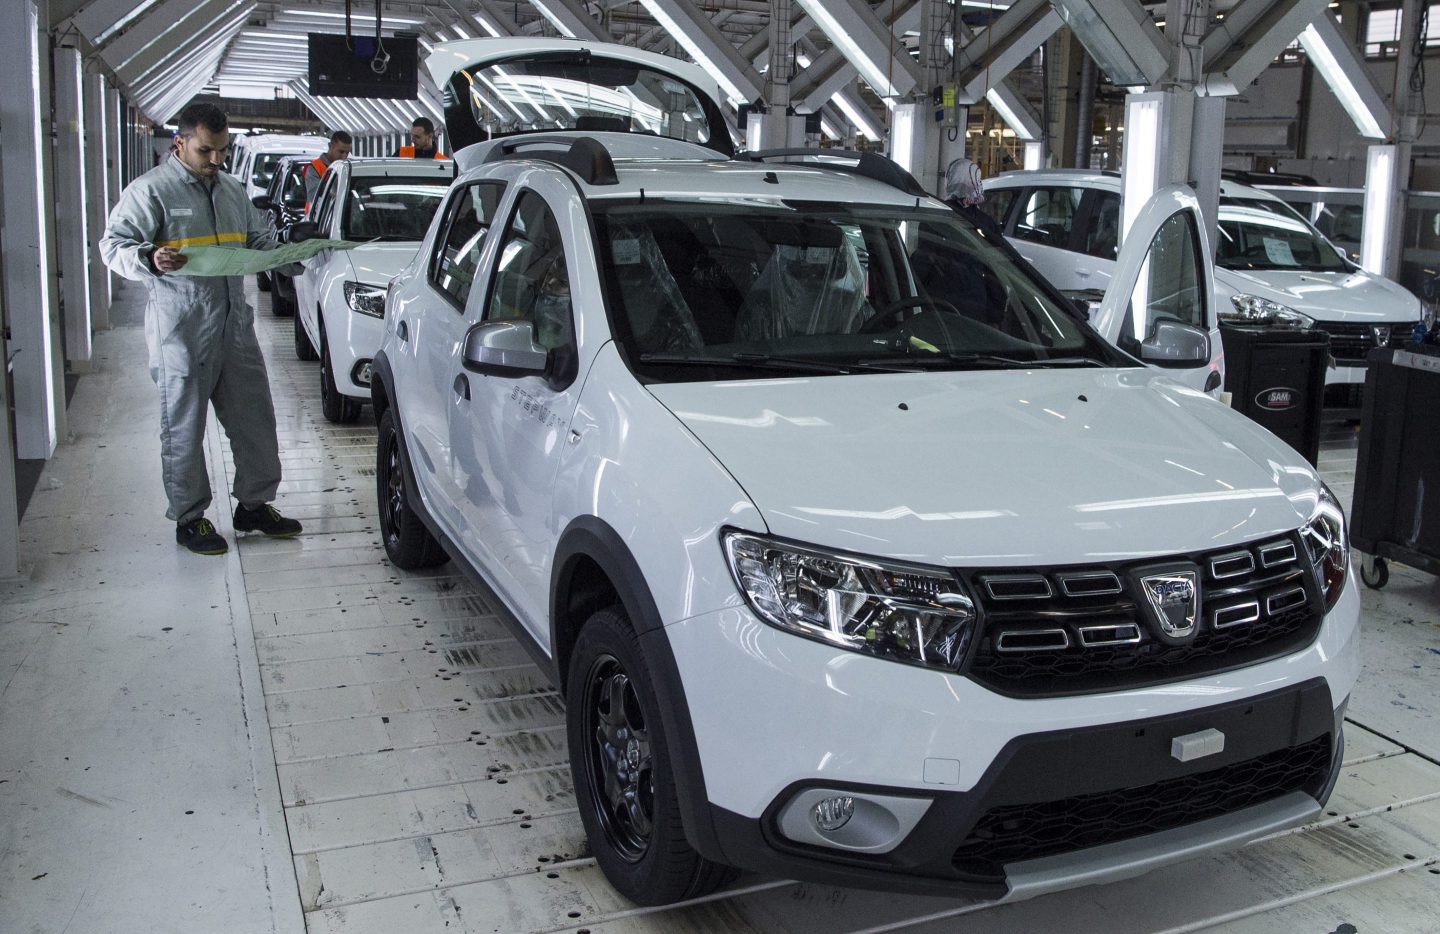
(1345, 296)
(377, 263)
(1022, 467)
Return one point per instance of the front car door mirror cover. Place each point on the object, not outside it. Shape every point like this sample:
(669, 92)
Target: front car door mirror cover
(1175, 344)
(504, 348)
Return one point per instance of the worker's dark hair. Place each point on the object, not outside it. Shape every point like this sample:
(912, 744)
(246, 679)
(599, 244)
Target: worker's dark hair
(424, 124)
(209, 116)
(340, 136)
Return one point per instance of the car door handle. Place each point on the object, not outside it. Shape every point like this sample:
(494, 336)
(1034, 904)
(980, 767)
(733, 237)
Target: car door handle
(462, 386)
(1083, 273)
(402, 331)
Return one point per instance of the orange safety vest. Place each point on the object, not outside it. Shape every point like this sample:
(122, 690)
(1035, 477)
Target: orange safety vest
(408, 152)
(320, 166)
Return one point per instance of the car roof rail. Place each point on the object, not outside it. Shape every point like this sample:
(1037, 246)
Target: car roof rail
(869, 164)
(586, 156)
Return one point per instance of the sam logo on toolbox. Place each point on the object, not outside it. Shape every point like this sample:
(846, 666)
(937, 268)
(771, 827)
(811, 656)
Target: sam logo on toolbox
(1278, 398)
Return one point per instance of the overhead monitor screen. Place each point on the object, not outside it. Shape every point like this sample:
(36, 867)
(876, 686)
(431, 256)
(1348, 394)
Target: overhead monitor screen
(361, 66)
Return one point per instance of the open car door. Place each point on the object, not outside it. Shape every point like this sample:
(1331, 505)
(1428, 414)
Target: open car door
(1160, 306)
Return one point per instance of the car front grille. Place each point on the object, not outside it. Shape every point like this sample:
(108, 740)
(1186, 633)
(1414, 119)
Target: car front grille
(1018, 832)
(1350, 342)
(1077, 630)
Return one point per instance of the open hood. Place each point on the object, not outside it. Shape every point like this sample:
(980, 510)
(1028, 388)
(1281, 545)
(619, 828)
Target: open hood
(503, 87)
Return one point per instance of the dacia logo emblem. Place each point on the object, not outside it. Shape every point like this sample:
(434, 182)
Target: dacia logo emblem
(1381, 333)
(1174, 601)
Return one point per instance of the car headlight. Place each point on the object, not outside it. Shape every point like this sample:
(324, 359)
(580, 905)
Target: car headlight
(1328, 542)
(1252, 309)
(906, 613)
(366, 299)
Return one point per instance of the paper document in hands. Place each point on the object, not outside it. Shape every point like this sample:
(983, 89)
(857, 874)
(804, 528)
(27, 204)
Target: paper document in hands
(227, 261)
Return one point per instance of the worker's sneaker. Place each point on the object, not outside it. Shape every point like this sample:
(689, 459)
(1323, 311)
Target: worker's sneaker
(265, 519)
(199, 536)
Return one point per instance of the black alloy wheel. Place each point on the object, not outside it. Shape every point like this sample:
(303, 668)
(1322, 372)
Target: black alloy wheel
(620, 762)
(408, 544)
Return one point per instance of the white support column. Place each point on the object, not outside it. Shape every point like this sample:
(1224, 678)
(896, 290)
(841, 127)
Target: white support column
(26, 258)
(96, 130)
(71, 227)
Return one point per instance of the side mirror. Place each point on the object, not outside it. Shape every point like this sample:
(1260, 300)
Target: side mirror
(1175, 344)
(300, 231)
(504, 348)
(262, 202)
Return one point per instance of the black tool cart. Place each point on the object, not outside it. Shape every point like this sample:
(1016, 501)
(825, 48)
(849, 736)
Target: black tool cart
(1276, 376)
(1396, 514)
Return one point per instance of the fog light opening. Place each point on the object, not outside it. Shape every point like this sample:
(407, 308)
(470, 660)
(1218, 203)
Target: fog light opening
(361, 373)
(830, 814)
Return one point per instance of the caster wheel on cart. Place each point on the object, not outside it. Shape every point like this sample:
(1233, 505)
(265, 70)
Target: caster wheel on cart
(1375, 572)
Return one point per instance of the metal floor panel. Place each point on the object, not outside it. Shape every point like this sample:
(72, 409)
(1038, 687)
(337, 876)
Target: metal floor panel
(418, 756)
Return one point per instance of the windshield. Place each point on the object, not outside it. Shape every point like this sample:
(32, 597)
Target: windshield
(1261, 234)
(566, 93)
(391, 207)
(723, 291)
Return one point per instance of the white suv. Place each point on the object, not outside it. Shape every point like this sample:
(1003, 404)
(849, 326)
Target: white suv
(1270, 262)
(857, 555)
(386, 205)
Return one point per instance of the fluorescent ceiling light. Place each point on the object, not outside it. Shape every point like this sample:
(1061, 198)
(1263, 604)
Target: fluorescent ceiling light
(1140, 157)
(460, 32)
(485, 24)
(1339, 81)
(874, 75)
(1011, 118)
(862, 121)
(1379, 194)
(1034, 152)
(555, 21)
(323, 14)
(694, 49)
(272, 34)
(902, 136)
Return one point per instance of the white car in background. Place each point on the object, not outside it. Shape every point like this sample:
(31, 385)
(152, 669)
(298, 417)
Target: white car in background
(1270, 263)
(857, 555)
(386, 205)
(254, 162)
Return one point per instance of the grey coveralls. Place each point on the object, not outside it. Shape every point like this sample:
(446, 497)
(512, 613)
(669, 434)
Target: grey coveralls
(200, 331)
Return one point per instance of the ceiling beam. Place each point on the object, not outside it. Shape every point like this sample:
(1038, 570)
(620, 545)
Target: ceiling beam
(990, 54)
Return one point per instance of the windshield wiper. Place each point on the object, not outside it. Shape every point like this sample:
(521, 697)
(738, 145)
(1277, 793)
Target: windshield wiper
(759, 361)
(955, 358)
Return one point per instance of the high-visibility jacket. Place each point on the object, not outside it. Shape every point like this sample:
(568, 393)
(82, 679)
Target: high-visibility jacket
(408, 152)
(315, 171)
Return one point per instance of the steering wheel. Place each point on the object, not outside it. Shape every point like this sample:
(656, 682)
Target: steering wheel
(883, 317)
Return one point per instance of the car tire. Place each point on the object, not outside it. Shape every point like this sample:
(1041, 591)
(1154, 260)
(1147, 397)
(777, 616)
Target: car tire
(304, 350)
(334, 404)
(621, 766)
(262, 281)
(280, 306)
(408, 544)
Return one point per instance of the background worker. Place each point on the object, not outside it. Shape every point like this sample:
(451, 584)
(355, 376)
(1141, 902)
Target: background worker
(339, 149)
(200, 331)
(422, 141)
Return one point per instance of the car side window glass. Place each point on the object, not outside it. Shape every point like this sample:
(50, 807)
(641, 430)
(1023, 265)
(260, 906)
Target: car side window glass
(457, 253)
(325, 199)
(1169, 283)
(531, 280)
(1102, 236)
(1048, 216)
(997, 203)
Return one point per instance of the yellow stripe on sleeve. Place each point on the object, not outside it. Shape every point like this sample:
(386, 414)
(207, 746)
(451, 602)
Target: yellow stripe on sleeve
(206, 240)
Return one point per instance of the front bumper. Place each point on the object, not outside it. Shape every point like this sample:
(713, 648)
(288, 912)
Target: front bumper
(354, 339)
(846, 723)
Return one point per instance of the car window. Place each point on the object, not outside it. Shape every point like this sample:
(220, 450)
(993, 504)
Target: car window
(390, 207)
(703, 290)
(1169, 282)
(997, 203)
(1257, 233)
(322, 210)
(293, 184)
(1048, 216)
(457, 252)
(1102, 234)
(531, 280)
